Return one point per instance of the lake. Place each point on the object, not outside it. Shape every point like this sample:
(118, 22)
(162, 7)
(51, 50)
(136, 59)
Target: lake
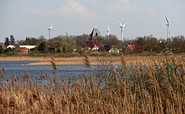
(19, 68)
(65, 72)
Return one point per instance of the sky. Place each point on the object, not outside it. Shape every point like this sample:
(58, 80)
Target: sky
(31, 18)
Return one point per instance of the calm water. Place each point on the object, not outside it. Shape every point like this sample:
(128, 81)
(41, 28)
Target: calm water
(65, 72)
(19, 68)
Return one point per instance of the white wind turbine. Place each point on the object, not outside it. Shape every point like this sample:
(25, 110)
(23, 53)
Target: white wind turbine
(122, 26)
(168, 28)
(108, 32)
(50, 29)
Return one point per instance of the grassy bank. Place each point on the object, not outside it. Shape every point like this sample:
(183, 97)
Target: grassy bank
(78, 60)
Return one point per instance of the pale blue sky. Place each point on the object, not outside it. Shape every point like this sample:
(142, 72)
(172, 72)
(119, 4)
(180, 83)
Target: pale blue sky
(31, 18)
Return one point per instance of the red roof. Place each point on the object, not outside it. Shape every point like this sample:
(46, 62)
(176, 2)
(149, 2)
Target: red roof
(2, 44)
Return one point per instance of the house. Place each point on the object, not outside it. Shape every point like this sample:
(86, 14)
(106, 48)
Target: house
(2, 45)
(94, 48)
(26, 48)
(114, 50)
(10, 46)
(130, 48)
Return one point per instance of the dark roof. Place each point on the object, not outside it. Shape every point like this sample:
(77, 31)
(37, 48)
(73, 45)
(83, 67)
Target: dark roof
(95, 32)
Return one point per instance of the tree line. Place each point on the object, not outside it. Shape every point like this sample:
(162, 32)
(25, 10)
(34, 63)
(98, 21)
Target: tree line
(79, 44)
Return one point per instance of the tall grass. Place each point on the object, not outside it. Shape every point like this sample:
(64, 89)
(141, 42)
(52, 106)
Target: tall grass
(137, 90)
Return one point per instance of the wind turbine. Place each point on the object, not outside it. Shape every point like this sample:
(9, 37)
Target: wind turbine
(168, 28)
(108, 32)
(122, 26)
(50, 29)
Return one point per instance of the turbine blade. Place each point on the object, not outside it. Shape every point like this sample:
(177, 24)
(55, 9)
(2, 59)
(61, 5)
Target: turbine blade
(124, 25)
(167, 20)
(108, 30)
(50, 27)
(120, 23)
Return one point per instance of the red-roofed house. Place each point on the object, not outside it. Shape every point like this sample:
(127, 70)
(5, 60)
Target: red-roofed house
(2, 45)
(95, 48)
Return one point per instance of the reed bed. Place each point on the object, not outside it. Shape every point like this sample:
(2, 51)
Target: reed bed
(136, 90)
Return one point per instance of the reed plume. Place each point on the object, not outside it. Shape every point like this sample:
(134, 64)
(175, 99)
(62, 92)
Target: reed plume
(123, 89)
(114, 72)
(54, 66)
(86, 61)
(43, 76)
(26, 76)
(14, 79)
(3, 72)
(123, 62)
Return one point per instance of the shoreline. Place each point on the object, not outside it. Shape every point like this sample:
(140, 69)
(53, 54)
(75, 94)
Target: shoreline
(94, 60)
(59, 60)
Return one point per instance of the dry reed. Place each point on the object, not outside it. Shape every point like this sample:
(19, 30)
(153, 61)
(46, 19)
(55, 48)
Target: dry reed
(3, 72)
(146, 91)
(86, 61)
(26, 76)
(54, 67)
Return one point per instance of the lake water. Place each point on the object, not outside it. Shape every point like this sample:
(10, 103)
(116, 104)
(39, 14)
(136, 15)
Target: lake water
(65, 72)
(19, 68)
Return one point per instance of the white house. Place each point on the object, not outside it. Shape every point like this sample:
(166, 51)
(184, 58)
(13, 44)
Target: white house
(10, 46)
(114, 50)
(27, 46)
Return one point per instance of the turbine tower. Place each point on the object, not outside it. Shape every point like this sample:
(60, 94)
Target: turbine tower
(168, 28)
(50, 29)
(122, 26)
(108, 32)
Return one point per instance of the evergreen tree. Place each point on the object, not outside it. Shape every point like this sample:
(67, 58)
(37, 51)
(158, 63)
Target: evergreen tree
(7, 41)
(1, 49)
(12, 40)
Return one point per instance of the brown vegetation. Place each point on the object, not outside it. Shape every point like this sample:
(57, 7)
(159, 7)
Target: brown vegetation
(144, 91)
(80, 60)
